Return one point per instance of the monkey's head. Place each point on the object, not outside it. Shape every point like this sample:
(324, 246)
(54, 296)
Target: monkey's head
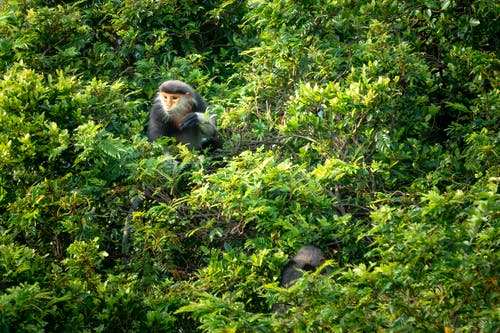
(173, 92)
(176, 87)
(310, 257)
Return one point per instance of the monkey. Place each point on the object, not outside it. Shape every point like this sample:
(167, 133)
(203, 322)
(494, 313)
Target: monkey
(308, 258)
(179, 111)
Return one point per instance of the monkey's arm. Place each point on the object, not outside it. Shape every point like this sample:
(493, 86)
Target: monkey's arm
(206, 124)
(192, 119)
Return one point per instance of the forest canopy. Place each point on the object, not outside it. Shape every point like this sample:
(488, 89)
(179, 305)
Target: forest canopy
(369, 129)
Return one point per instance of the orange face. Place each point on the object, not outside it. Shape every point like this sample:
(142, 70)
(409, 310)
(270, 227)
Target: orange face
(171, 100)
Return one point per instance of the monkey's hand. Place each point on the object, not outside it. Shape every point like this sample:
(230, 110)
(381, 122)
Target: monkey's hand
(191, 120)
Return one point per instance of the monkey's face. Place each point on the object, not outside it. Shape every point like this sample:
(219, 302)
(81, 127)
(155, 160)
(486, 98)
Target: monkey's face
(170, 101)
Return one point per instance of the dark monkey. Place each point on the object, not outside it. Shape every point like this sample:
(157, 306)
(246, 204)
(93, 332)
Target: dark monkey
(178, 111)
(308, 258)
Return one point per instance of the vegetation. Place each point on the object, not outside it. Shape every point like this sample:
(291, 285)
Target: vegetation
(367, 128)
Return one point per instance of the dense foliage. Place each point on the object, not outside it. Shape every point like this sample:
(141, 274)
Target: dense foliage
(367, 128)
